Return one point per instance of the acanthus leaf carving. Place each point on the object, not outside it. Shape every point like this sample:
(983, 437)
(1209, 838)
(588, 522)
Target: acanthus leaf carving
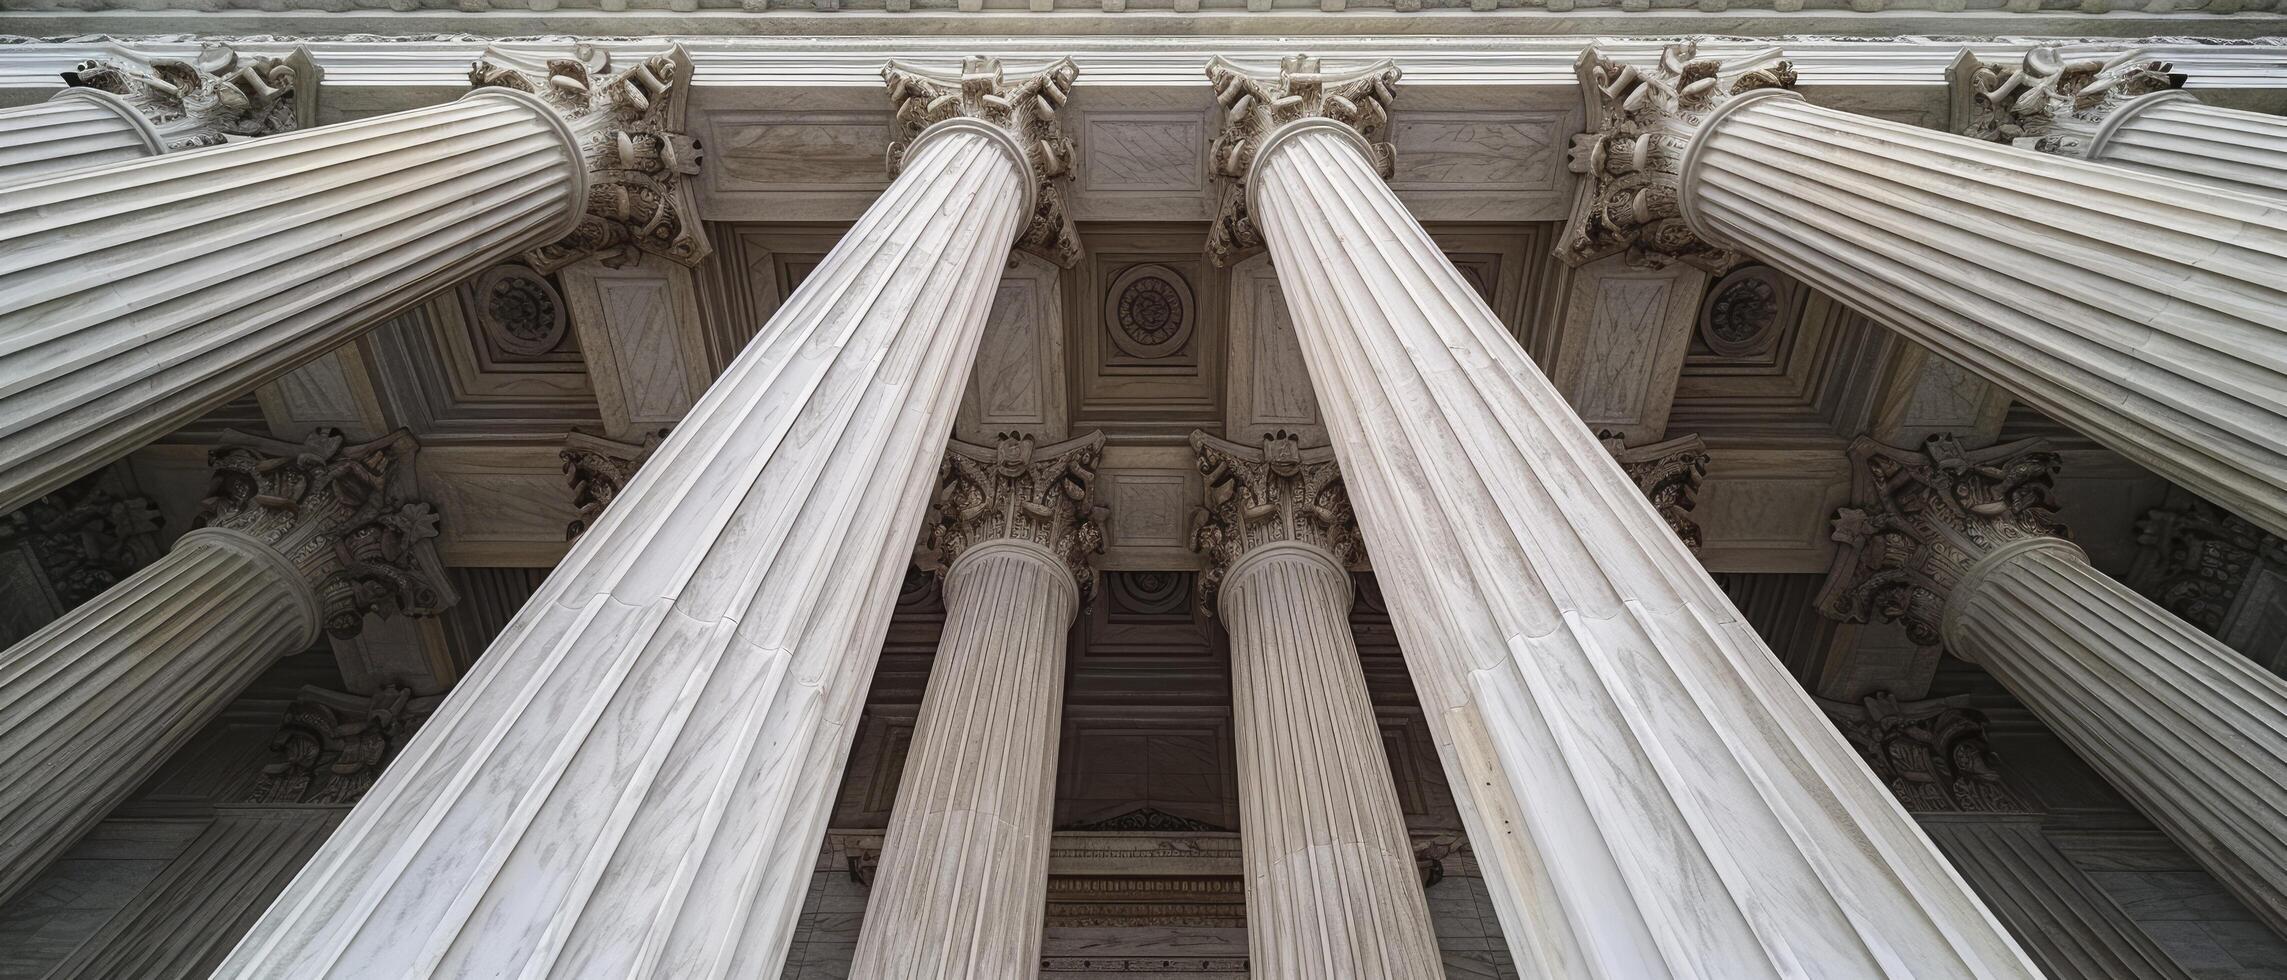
(597, 469)
(1254, 108)
(1017, 490)
(83, 538)
(1670, 474)
(1641, 123)
(1276, 492)
(2053, 104)
(203, 102)
(331, 746)
(641, 164)
(2198, 557)
(342, 514)
(1932, 754)
(1026, 108)
(1924, 519)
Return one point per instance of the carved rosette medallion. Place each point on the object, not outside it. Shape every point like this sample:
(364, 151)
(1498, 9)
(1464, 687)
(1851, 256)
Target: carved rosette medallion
(597, 469)
(2055, 105)
(1151, 311)
(331, 746)
(1016, 490)
(2197, 558)
(1932, 754)
(1641, 120)
(341, 514)
(1670, 474)
(1925, 519)
(203, 102)
(1254, 108)
(1742, 312)
(1259, 495)
(640, 163)
(1025, 108)
(521, 313)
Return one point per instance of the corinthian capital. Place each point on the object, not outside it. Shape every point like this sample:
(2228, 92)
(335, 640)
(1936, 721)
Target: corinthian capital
(1670, 474)
(1641, 122)
(1255, 108)
(2048, 103)
(1924, 519)
(629, 123)
(1932, 754)
(218, 94)
(1276, 492)
(1025, 109)
(597, 469)
(342, 515)
(1016, 490)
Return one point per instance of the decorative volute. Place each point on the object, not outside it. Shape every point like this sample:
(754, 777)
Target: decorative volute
(1022, 111)
(1924, 522)
(1016, 490)
(341, 514)
(1278, 492)
(2051, 103)
(640, 162)
(1641, 124)
(217, 95)
(1255, 110)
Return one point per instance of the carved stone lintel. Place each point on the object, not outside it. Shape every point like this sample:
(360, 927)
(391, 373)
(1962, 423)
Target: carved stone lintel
(82, 539)
(218, 94)
(341, 514)
(1670, 474)
(640, 162)
(2196, 559)
(1257, 496)
(1932, 754)
(1014, 490)
(597, 469)
(1254, 108)
(1026, 108)
(2048, 103)
(332, 746)
(1924, 519)
(1640, 123)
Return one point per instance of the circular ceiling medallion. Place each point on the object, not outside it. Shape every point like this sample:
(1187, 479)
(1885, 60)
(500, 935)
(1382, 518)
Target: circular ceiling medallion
(1150, 311)
(1741, 316)
(519, 310)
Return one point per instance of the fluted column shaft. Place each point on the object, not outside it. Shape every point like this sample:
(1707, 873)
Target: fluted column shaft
(138, 296)
(76, 129)
(2177, 135)
(633, 781)
(1648, 791)
(91, 705)
(1332, 889)
(2146, 312)
(963, 879)
(2190, 731)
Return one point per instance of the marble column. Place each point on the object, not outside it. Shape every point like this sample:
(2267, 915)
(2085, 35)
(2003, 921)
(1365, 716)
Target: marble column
(2141, 310)
(138, 296)
(296, 542)
(961, 888)
(1648, 792)
(1960, 548)
(1332, 889)
(2130, 110)
(115, 111)
(634, 778)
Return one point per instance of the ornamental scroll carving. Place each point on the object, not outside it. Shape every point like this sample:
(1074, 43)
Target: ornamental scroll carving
(342, 514)
(1258, 495)
(205, 101)
(597, 469)
(1641, 120)
(1924, 519)
(1026, 108)
(1254, 108)
(1670, 474)
(1932, 754)
(2197, 558)
(331, 746)
(2052, 103)
(629, 124)
(1016, 490)
(81, 539)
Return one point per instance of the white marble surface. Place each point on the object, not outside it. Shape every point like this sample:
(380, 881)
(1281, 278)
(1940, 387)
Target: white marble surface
(1648, 792)
(2184, 138)
(76, 129)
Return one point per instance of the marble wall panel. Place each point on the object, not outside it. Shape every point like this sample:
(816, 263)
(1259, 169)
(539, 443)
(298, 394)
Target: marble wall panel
(1144, 164)
(1150, 492)
(1618, 361)
(639, 328)
(1770, 510)
(822, 164)
(1017, 384)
